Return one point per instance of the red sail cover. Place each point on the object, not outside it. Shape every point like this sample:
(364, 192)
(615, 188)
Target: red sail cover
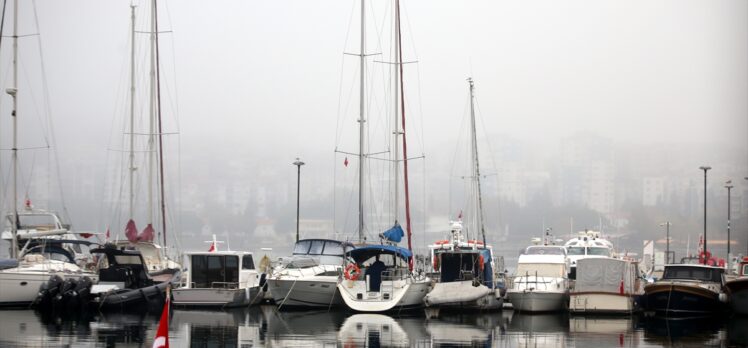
(131, 232)
(147, 234)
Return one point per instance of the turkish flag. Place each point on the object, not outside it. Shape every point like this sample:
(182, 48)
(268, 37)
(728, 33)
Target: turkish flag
(162, 334)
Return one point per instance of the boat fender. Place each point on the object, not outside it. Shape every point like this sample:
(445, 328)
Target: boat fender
(436, 262)
(722, 297)
(480, 262)
(352, 272)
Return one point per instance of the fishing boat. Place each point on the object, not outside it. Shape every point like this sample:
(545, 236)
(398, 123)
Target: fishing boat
(466, 268)
(540, 283)
(218, 279)
(124, 281)
(687, 290)
(738, 289)
(607, 286)
(587, 244)
(309, 278)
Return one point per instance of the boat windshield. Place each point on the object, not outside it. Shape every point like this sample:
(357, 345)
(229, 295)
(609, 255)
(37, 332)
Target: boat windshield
(598, 251)
(544, 251)
(692, 273)
(333, 248)
(302, 247)
(575, 251)
(37, 222)
(541, 269)
(317, 246)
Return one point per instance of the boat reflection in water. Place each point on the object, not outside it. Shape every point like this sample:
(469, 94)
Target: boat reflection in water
(704, 331)
(467, 329)
(609, 331)
(538, 330)
(372, 330)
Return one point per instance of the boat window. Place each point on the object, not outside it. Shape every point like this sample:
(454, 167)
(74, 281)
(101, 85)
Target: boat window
(598, 251)
(333, 248)
(232, 270)
(745, 269)
(575, 250)
(38, 222)
(545, 251)
(128, 259)
(316, 248)
(542, 269)
(694, 273)
(247, 262)
(302, 247)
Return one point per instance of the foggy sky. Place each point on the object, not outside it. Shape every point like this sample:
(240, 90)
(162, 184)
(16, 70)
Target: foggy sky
(262, 78)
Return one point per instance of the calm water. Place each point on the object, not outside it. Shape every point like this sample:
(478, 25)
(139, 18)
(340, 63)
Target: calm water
(265, 326)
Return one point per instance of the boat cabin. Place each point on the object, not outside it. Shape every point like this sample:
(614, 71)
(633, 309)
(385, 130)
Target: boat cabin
(219, 269)
(124, 268)
(459, 265)
(700, 273)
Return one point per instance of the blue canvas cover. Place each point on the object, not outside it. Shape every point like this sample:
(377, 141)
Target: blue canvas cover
(394, 234)
(363, 253)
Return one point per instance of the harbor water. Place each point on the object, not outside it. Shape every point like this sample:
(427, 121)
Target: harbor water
(266, 326)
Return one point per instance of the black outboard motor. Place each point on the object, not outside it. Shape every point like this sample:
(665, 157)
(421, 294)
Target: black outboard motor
(263, 282)
(48, 291)
(75, 296)
(60, 301)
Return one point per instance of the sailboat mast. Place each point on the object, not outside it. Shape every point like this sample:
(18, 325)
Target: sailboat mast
(160, 129)
(14, 150)
(396, 132)
(132, 111)
(476, 165)
(361, 121)
(405, 143)
(152, 115)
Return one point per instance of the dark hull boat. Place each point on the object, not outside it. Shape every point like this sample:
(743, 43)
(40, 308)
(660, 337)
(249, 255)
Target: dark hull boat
(124, 281)
(687, 290)
(738, 289)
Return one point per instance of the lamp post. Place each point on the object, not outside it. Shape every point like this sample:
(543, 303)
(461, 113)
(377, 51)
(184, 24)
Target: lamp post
(667, 240)
(729, 187)
(705, 169)
(298, 163)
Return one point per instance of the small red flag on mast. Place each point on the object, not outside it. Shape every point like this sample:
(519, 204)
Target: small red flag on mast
(345, 162)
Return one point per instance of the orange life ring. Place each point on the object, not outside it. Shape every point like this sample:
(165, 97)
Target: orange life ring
(475, 242)
(440, 242)
(352, 272)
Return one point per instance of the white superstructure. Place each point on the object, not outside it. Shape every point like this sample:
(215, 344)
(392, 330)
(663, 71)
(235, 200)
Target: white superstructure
(540, 283)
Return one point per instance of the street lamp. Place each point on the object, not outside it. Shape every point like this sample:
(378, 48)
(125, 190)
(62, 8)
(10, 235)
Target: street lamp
(667, 240)
(728, 187)
(298, 163)
(705, 169)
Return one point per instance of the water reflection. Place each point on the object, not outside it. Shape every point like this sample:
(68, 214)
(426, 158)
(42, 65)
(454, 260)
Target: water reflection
(265, 326)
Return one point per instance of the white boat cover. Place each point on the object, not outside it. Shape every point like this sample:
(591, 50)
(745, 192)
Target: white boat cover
(452, 292)
(603, 275)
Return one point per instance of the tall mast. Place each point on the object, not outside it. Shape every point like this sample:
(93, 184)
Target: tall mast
(152, 115)
(476, 165)
(361, 121)
(132, 110)
(14, 150)
(160, 129)
(405, 143)
(396, 132)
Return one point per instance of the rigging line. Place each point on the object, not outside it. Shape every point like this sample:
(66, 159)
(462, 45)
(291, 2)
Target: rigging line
(338, 121)
(491, 156)
(48, 111)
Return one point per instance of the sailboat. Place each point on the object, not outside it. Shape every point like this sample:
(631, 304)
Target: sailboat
(160, 266)
(49, 249)
(380, 277)
(466, 275)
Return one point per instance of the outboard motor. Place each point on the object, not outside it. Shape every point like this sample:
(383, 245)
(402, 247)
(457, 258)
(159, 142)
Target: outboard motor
(263, 282)
(47, 291)
(60, 300)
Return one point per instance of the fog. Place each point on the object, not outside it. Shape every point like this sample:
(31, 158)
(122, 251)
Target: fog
(591, 114)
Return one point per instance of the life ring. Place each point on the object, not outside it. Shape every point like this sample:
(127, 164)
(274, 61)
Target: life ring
(352, 272)
(440, 242)
(473, 241)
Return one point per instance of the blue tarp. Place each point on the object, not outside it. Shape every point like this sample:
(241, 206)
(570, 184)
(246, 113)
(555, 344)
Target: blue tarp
(394, 234)
(363, 253)
(8, 263)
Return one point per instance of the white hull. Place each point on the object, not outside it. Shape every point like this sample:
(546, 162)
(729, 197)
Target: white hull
(320, 292)
(394, 295)
(463, 295)
(600, 303)
(20, 286)
(216, 297)
(537, 301)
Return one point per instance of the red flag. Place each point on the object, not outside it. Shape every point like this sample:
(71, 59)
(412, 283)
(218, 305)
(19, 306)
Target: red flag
(345, 162)
(460, 215)
(212, 247)
(107, 233)
(162, 334)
